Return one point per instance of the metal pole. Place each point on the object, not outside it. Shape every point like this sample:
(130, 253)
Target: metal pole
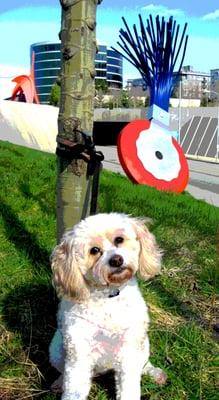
(217, 149)
(179, 114)
(217, 142)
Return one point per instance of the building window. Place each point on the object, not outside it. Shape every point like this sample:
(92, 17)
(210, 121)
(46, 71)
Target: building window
(100, 57)
(47, 73)
(101, 48)
(45, 81)
(44, 89)
(113, 53)
(114, 61)
(100, 65)
(111, 68)
(113, 77)
(100, 74)
(47, 64)
(55, 55)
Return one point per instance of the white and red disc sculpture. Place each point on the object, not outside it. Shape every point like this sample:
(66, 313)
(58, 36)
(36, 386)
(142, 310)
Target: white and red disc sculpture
(148, 151)
(150, 157)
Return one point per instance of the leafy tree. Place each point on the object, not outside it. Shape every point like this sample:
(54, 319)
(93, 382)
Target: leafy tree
(124, 99)
(55, 95)
(147, 101)
(204, 101)
(101, 84)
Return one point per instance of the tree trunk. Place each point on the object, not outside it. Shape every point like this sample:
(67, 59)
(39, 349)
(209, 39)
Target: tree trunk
(78, 47)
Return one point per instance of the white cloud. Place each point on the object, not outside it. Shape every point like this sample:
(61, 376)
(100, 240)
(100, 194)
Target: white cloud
(211, 16)
(162, 10)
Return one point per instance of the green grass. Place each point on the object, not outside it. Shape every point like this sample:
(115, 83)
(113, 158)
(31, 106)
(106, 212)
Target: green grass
(182, 300)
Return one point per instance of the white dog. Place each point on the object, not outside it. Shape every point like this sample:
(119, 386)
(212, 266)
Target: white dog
(103, 319)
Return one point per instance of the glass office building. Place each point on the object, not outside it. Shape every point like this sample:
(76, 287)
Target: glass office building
(46, 68)
(108, 65)
(114, 69)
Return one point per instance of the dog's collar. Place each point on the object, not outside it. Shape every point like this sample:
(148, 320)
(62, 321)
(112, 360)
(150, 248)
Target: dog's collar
(107, 292)
(111, 291)
(115, 292)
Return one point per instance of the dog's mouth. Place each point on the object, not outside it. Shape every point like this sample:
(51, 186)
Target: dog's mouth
(118, 270)
(120, 275)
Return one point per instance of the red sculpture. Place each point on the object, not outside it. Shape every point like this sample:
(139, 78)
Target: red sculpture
(25, 89)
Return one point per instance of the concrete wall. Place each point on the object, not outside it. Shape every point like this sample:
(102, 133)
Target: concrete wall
(29, 125)
(35, 125)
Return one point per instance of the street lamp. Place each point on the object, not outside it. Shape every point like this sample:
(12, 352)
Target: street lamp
(217, 145)
(179, 109)
(181, 75)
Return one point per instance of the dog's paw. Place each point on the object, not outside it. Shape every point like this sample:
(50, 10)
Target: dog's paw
(56, 387)
(157, 374)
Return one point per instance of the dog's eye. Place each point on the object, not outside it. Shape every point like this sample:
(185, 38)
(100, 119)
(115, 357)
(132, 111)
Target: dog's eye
(94, 250)
(118, 240)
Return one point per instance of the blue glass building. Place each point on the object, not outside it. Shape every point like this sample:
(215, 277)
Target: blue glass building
(108, 65)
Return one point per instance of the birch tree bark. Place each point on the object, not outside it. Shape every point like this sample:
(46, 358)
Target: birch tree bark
(78, 48)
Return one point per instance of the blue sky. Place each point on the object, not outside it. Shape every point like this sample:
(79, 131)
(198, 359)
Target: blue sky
(24, 22)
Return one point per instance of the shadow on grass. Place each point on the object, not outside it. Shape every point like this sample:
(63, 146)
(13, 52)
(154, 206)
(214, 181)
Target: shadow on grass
(24, 241)
(31, 310)
(107, 383)
(40, 198)
(172, 304)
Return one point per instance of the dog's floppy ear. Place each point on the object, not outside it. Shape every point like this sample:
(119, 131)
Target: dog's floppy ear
(67, 277)
(150, 255)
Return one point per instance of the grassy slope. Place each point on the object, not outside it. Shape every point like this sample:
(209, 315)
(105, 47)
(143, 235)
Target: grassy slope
(182, 300)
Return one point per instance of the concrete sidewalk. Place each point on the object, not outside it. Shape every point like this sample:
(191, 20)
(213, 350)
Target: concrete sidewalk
(203, 182)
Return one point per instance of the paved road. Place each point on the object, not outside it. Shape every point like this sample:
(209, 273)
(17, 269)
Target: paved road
(203, 182)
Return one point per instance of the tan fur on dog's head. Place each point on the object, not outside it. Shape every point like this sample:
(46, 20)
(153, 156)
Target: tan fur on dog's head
(150, 254)
(67, 276)
(76, 269)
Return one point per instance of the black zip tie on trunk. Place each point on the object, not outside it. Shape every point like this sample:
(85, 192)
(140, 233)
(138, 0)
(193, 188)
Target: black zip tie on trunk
(86, 151)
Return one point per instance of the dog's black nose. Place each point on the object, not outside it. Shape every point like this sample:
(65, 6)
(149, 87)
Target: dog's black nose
(116, 261)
